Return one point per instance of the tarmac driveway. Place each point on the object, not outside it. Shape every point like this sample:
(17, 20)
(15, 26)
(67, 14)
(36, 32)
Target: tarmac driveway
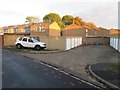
(22, 72)
(76, 60)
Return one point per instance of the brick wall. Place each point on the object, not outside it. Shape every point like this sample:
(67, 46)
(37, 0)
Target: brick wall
(53, 32)
(1, 40)
(38, 33)
(102, 33)
(10, 39)
(74, 32)
(50, 32)
(92, 40)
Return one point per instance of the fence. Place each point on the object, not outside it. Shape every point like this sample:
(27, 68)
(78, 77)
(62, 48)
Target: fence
(115, 43)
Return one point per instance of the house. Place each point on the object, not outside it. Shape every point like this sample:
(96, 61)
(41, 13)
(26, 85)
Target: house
(114, 32)
(90, 32)
(1, 30)
(73, 30)
(11, 29)
(4, 29)
(36, 30)
(89, 35)
(54, 29)
(8, 29)
(45, 29)
(25, 28)
(102, 32)
(39, 29)
(40, 26)
(14, 29)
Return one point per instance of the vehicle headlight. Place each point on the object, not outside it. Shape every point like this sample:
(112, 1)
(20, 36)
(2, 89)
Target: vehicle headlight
(44, 44)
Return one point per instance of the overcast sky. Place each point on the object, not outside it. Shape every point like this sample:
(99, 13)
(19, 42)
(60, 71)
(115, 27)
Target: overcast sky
(103, 13)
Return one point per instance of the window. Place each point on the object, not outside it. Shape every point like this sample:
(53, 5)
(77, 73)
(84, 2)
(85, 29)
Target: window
(24, 30)
(5, 30)
(16, 30)
(20, 38)
(61, 33)
(25, 39)
(38, 29)
(29, 40)
(13, 30)
(41, 29)
(86, 30)
(27, 30)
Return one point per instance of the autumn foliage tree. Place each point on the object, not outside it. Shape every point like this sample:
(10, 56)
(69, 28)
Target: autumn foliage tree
(90, 24)
(79, 21)
(67, 19)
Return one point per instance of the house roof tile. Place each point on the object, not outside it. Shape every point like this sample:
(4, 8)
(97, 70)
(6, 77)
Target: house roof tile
(72, 26)
(42, 24)
(114, 31)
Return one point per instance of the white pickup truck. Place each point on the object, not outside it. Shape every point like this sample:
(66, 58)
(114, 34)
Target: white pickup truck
(29, 43)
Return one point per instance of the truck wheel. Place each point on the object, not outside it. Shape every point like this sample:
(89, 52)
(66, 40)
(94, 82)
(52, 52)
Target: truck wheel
(37, 47)
(18, 46)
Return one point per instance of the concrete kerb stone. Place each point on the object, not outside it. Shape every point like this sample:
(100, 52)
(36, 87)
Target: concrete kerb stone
(49, 52)
(109, 85)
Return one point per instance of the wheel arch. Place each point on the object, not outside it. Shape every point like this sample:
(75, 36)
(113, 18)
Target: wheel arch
(37, 45)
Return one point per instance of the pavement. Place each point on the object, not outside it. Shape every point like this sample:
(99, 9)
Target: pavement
(19, 71)
(76, 60)
(104, 73)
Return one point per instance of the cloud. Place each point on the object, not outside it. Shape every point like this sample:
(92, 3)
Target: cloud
(11, 18)
(101, 12)
(7, 13)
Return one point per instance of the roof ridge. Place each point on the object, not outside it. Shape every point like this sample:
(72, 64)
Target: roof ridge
(71, 26)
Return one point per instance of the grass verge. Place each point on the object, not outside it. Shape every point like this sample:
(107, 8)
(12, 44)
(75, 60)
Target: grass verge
(115, 68)
(13, 48)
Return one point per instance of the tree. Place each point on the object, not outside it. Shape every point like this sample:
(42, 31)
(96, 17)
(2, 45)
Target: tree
(61, 24)
(53, 17)
(67, 19)
(83, 23)
(78, 21)
(32, 19)
(90, 24)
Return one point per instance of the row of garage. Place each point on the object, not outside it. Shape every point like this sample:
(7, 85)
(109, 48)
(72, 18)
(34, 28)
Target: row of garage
(115, 43)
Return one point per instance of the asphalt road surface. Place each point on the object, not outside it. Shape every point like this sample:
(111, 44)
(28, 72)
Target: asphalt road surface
(22, 72)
